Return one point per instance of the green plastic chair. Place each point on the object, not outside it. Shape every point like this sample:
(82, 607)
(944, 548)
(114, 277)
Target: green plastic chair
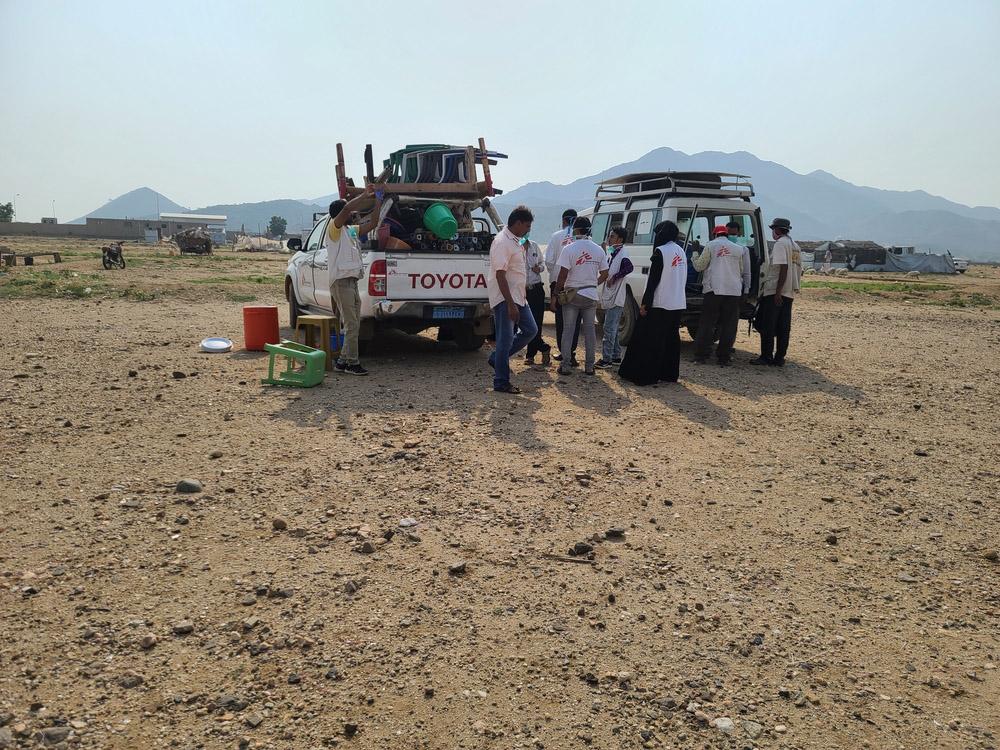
(305, 367)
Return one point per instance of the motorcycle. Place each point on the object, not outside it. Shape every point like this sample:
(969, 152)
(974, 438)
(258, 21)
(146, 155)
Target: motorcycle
(112, 257)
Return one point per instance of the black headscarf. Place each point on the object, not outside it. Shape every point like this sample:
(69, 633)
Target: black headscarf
(664, 232)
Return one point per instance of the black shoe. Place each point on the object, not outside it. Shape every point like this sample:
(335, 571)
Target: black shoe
(603, 364)
(762, 361)
(355, 370)
(557, 357)
(616, 361)
(529, 360)
(777, 363)
(339, 366)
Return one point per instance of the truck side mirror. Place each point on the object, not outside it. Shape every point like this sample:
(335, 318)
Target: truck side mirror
(294, 244)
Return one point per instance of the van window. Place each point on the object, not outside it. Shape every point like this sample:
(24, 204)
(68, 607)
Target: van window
(316, 238)
(640, 227)
(746, 227)
(599, 227)
(699, 232)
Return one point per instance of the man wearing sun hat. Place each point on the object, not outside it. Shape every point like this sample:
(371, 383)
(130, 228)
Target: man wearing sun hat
(777, 292)
(725, 267)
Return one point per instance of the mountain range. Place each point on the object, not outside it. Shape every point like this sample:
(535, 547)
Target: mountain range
(820, 205)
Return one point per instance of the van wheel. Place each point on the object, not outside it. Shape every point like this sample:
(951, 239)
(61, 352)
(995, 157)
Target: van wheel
(466, 339)
(626, 327)
(294, 311)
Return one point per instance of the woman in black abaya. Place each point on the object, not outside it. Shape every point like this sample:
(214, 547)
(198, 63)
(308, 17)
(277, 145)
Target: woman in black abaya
(654, 351)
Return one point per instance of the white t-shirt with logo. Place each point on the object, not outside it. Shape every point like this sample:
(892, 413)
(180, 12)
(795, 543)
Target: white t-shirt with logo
(784, 252)
(584, 259)
(560, 239)
(670, 293)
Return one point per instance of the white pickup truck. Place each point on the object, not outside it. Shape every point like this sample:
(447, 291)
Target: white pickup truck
(432, 284)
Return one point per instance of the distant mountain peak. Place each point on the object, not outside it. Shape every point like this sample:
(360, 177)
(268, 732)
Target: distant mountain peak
(140, 203)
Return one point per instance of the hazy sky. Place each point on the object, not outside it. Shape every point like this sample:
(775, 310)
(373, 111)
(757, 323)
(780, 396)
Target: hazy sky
(219, 102)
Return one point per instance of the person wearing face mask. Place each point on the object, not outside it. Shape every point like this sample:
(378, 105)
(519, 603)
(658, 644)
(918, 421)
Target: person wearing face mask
(582, 266)
(505, 284)
(560, 239)
(612, 299)
(725, 267)
(778, 289)
(535, 293)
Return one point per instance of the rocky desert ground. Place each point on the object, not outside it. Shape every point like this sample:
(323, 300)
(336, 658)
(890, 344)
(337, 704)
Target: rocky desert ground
(796, 558)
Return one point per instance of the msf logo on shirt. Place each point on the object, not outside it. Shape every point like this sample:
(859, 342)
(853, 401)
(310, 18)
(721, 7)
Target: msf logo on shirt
(585, 257)
(677, 261)
(723, 252)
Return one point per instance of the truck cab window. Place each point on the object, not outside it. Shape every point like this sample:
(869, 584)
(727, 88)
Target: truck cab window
(315, 240)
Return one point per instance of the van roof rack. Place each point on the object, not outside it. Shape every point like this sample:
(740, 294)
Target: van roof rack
(650, 184)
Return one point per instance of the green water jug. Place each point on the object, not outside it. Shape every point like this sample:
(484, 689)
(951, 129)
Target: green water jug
(439, 219)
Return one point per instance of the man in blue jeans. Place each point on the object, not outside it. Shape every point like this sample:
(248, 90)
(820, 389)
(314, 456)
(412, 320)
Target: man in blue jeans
(506, 286)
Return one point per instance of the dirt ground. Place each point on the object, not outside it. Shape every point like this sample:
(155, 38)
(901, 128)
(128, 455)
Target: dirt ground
(795, 558)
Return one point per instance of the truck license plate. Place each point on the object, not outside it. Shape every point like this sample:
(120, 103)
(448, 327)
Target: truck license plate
(448, 313)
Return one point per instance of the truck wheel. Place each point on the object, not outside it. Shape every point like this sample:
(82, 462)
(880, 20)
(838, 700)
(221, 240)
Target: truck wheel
(466, 339)
(626, 327)
(294, 311)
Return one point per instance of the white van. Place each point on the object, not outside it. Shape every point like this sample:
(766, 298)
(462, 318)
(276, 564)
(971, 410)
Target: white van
(696, 202)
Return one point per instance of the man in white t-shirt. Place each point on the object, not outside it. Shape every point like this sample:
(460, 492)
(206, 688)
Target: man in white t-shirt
(778, 289)
(560, 239)
(582, 266)
(506, 285)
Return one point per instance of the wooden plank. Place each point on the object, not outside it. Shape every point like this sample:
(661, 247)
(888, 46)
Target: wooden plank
(486, 166)
(470, 164)
(369, 164)
(464, 189)
(341, 173)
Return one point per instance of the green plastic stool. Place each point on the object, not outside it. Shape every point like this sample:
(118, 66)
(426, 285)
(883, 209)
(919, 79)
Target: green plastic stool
(311, 370)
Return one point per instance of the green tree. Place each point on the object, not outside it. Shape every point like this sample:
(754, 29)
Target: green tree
(277, 226)
(6, 211)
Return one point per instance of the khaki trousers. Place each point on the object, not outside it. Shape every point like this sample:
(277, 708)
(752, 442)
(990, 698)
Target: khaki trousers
(347, 301)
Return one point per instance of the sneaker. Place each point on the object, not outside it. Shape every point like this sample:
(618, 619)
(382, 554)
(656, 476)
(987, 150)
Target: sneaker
(355, 370)
(762, 361)
(546, 359)
(558, 358)
(339, 366)
(616, 361)
(603, 364)
(529, 360)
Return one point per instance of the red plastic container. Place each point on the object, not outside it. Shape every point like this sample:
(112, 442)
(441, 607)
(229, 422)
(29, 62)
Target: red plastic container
(260, 326)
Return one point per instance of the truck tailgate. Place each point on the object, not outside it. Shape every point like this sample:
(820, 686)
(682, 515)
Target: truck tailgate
(436, 276)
